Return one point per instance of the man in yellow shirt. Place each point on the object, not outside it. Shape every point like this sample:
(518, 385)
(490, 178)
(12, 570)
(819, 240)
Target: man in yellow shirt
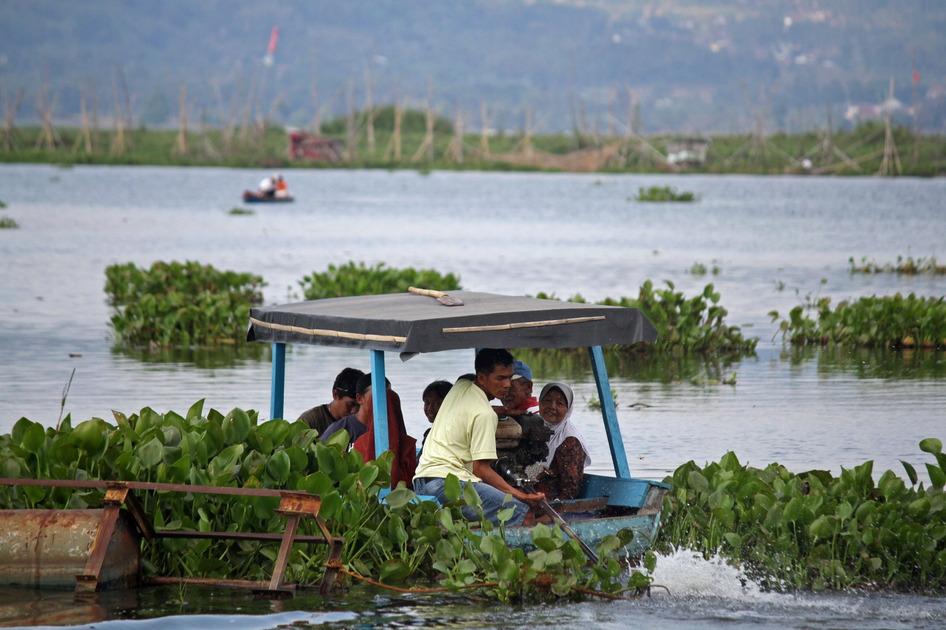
(462, 441)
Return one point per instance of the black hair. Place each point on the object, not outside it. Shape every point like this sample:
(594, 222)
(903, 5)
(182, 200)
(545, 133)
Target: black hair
(441, 388)
(346, 382)
(488, 358)
(469, 376)
(365, 382)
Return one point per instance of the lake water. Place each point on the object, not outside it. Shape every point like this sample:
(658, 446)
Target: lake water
(774, 239)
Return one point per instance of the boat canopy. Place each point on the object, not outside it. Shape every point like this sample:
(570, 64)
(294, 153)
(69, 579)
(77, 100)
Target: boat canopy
(409, 324)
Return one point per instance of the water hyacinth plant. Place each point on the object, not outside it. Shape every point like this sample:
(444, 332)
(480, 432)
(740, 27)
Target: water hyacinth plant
(908, 267)
(358, 279)
(874, 322)
(813, 530)
(8, 223)
(180, 304)
(688, 324)
(663, 193)
(387, 541)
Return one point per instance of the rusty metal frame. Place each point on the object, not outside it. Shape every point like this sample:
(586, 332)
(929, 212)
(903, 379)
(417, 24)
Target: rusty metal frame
(294, 505)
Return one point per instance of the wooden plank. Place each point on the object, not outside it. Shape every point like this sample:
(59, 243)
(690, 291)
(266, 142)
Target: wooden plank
(299, 504)
(89, 581)
(282, 560)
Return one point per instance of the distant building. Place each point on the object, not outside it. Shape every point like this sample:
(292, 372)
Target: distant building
(306, 146)
(687, 151)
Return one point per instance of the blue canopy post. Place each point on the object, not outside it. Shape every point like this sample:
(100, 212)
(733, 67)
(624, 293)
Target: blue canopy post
(379, 396)
(278, 393)
(609, 413)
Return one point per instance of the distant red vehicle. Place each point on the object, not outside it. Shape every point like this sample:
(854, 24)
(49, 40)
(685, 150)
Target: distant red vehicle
(305, 146)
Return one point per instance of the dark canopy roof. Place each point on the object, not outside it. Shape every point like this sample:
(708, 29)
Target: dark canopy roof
(410, 323)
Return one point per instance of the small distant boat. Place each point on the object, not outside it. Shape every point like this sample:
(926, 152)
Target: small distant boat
(250, 196)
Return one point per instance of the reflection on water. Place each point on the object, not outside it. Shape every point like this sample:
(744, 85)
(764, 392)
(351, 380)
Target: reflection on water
(868, 363)
(228, 356)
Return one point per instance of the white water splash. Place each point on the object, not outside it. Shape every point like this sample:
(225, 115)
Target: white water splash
(687, 574)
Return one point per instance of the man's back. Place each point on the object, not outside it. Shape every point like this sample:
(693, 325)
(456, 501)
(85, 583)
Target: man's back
(464, 431)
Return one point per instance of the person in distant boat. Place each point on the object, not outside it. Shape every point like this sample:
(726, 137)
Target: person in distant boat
(462, 442)
(519, 399)
(267, 187)
(568, 454)
(343, 402)
(357, 423)
(282, 189)
(433, 398)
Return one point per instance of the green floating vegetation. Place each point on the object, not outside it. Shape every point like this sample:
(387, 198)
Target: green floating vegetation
(687, 324)
(872, 322)
(699, 269)
(358, 279)
(813, 530)
(180, 304)
(8, 223)
(663, 193)
(683, 325)
(241, 211)
(907, 267)
(387, 541)
(2, 205)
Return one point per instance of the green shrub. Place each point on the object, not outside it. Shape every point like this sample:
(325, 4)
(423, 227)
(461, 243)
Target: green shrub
(357, 279)
(873, 322)
(8, 223)
(387, 541)
(813, 530)
(180, 304)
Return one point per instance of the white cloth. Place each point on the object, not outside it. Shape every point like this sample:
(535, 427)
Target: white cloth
(564, 429)
(268, 185)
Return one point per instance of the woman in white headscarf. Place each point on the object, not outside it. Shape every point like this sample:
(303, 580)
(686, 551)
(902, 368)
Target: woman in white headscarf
(568, 454)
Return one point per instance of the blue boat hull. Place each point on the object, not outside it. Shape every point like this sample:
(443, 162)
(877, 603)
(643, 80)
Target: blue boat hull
(624, 504)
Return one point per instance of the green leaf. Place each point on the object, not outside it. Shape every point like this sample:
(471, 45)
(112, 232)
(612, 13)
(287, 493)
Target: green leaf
(151, 453)
(937, 476)
(236, 426)
(931, 445)
(451, 487)
(471, 496)
(278, 466)
(911, 472)
(697, 481)
(399, 497)
(394, 571)
(733, 539)
(34, 438)
(194, 413)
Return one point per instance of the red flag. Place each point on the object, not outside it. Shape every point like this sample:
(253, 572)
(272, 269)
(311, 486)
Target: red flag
(916, 76)
(273, 38)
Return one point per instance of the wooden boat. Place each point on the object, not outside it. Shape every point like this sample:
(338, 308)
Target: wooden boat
(411, 325)
(250, 196)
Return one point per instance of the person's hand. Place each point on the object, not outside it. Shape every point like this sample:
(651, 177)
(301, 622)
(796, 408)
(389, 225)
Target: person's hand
(532, 499)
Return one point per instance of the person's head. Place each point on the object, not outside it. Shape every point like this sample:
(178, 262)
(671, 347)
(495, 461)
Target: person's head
(344, 391)
(555, 402)
(433, 398)
(363, 389)
(493, 371)
(520, 385)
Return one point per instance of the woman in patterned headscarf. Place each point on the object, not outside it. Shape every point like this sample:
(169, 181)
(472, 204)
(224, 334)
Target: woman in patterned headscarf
(568, 454)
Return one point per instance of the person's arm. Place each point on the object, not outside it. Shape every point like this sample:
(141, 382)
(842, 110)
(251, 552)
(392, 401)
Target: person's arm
(483, 470)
